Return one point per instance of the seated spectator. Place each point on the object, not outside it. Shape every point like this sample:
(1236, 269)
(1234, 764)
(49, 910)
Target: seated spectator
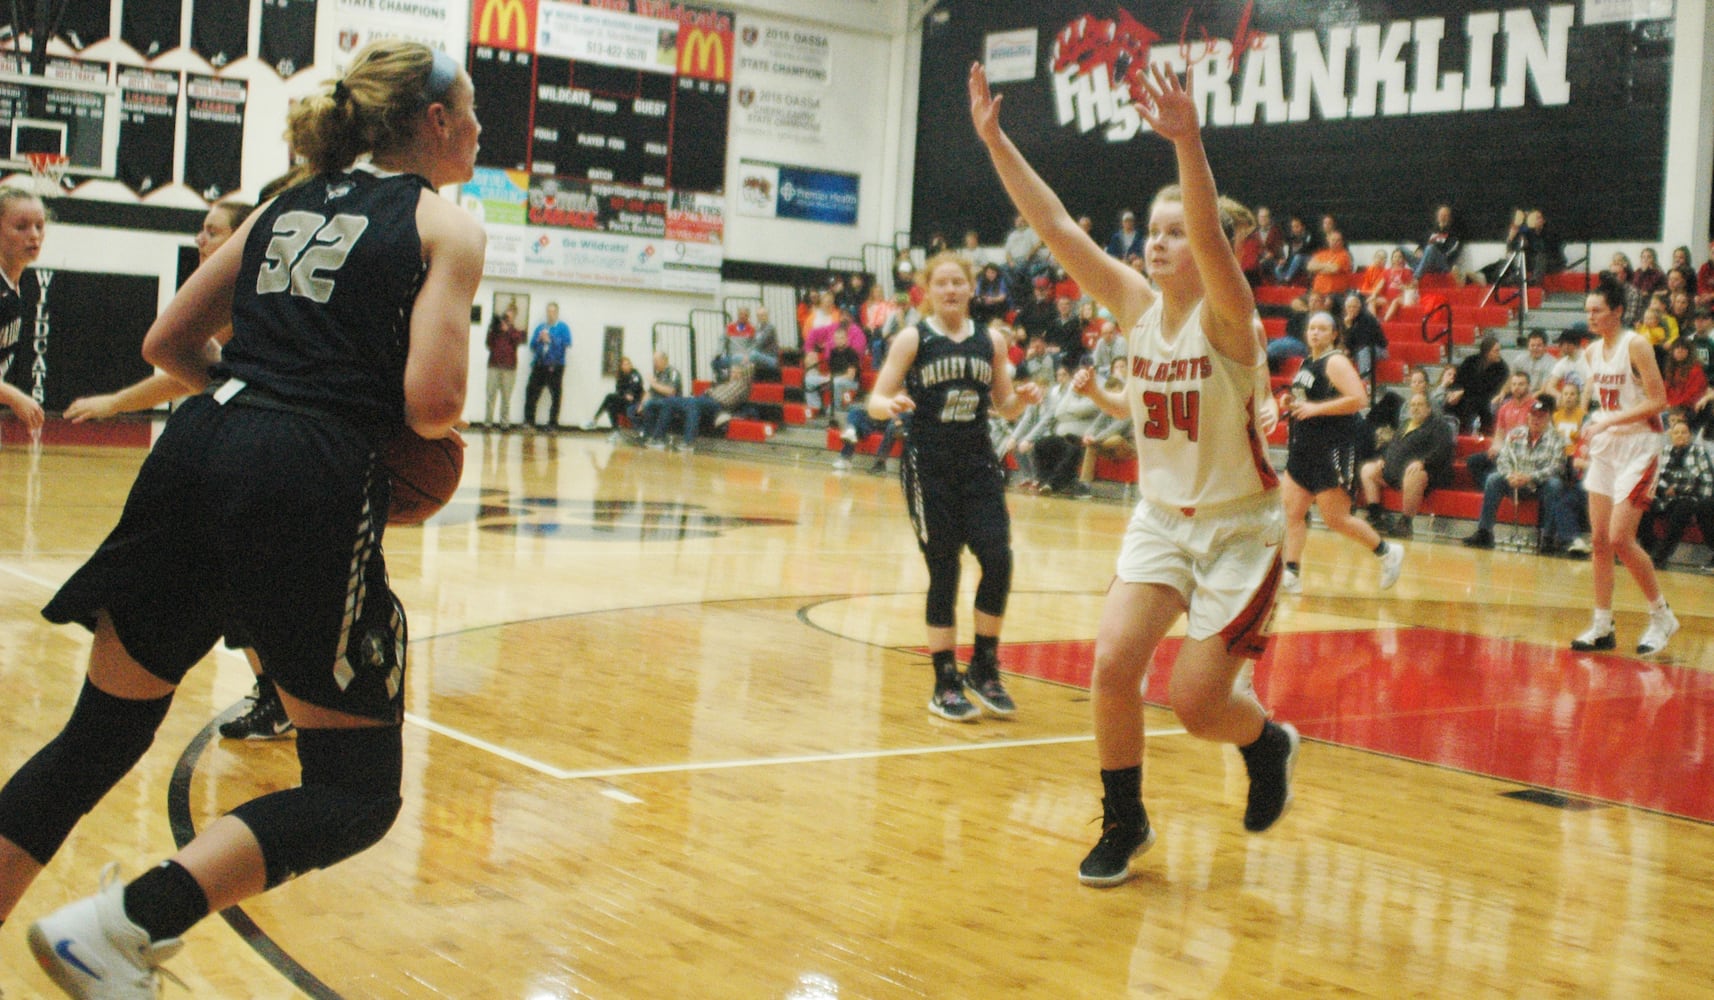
(1687, 387)
(1621, 272)
(1064, 334)
(859, 425)
(1705, 280)
(1653, 329)
(1038, 365)
(1026, 257)
(1534, 361)
(1109, 346)
(1108, 437)
(1570, 374)
(1036, 315)
(1418, 459)
(1300, 245)
(624, 404)
(1512, 412)
(714, 407)
(1530, 463)
(1126, 241)
(1685, 492)
(823, 311)
(740, 345)
(665, 383)
(1443, 387)
(1648, 277)
(838, 370)
(876, 311)
(1480, 378)
(1249, 249)
(1680, 309)
(1542, 252)
(1020, 442)
(1441, 248)
(1701, 340)
(851, 293)
(993, 295)
(1272, 241)
(1294, 344)
(973, 251)
(1362, 335)
(1059, 441)
(765, 349)
(1369, 281)
(1331, 266)
(1681, 264)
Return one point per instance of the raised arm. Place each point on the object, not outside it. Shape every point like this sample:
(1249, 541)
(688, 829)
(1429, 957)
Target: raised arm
(1124, 292)
(1228, 302)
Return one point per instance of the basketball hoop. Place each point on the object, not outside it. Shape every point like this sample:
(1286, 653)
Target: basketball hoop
(49, 171)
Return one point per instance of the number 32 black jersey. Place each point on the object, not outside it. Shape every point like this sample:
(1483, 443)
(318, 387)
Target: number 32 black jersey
(951, 382)
(322, 307)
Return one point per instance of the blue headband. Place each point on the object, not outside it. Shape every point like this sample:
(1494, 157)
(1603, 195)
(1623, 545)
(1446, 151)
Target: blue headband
(442, 72)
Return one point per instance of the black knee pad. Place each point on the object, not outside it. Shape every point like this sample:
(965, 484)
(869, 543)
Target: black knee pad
(941, 611)
(994, 555)
(101, 742)
(347, 802)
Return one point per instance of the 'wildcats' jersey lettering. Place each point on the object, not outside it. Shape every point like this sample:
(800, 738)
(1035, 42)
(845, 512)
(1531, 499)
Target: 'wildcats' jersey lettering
(1176, 370)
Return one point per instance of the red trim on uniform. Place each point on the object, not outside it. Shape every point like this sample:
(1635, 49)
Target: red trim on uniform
(1642, 494)
(1247, 634)
(1264, 468)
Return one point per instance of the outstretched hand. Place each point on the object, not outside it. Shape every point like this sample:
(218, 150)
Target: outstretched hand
(984, 106)
(1166, 104)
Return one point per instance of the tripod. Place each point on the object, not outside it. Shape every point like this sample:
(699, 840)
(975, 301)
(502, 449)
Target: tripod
(1517, 261)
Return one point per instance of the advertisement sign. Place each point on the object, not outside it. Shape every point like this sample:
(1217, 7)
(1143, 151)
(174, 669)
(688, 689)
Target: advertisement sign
(1010, 56)
(570, 229)
(769, 190)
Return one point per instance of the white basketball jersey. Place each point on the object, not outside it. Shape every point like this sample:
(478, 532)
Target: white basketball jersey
(1614, 384)
(1194, 414)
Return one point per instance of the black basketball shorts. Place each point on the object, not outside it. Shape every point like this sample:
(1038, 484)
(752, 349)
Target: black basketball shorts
(265, 527)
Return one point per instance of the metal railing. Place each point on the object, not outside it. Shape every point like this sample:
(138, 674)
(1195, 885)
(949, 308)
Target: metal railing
(678, 342)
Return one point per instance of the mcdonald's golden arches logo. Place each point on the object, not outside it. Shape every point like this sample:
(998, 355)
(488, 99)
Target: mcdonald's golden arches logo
(505, 24)
(702, 53)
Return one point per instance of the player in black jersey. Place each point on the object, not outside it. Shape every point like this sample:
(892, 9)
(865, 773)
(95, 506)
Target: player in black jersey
(23, 223)
(259, 515)
(948, 375)
(1321, 457)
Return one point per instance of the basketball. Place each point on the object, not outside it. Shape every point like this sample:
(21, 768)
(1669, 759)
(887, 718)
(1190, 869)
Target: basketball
(425, 474)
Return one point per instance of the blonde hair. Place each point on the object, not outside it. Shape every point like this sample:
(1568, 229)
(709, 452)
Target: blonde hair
(369, 110)
(1228, 220)
(10, 193)
(944, 257)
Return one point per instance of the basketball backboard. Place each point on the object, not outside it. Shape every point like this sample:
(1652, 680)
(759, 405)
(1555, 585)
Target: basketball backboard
(73, 110)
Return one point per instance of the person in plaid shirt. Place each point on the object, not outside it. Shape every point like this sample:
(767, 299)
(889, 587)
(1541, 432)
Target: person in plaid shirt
(1530, 462)
(1685, 491)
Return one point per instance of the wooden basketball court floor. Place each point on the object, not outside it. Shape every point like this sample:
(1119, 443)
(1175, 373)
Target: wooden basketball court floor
(667, 738)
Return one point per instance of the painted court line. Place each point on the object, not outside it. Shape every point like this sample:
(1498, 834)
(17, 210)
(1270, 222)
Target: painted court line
(561, 774)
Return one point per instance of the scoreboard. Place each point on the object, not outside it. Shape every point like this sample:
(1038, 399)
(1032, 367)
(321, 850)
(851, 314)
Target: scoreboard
(604, 131)
(638, 97)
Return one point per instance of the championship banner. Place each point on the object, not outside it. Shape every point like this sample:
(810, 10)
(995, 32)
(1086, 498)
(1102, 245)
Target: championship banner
(1374, 114)
(148, 120)
(363, 21)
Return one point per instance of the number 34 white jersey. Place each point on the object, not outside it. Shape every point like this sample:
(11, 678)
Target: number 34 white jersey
(1194, 411)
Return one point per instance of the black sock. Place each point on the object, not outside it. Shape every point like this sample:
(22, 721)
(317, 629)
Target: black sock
(1375, 513)
(945, 664)
(987, 652)
(165, 901)
(1123, 788)
(1291, 566)
(1381, 547)
(265, 687)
